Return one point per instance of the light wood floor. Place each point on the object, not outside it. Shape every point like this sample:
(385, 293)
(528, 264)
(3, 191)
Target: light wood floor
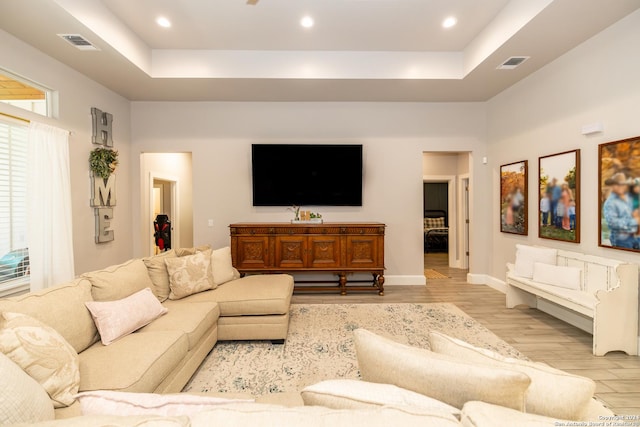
(537, 335)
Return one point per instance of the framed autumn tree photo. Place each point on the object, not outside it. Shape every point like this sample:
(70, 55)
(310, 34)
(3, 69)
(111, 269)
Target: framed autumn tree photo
(559, 196)
(513, 198)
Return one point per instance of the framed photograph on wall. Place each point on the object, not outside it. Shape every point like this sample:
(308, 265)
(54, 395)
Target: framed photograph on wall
(619, 194)
(513, 198)
(559, 196)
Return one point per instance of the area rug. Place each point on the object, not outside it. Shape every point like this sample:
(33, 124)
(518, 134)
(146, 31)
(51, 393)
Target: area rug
(320, 345)
(432, 274)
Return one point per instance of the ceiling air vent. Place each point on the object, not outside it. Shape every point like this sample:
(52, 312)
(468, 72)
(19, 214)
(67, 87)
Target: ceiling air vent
(78, 41)
(512, 62)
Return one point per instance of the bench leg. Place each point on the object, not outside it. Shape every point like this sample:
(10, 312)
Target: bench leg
(517, 297)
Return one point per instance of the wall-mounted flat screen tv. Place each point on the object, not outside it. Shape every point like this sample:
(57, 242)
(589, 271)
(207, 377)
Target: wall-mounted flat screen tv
(307, 174)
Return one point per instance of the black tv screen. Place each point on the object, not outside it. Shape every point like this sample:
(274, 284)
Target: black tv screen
(306, 175)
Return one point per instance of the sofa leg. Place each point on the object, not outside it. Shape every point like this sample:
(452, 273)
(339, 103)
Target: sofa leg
(274, 342)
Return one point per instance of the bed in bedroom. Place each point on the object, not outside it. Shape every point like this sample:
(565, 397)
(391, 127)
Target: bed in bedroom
(436, 231)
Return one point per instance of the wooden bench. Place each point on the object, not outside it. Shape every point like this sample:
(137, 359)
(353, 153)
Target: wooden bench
(608, 296)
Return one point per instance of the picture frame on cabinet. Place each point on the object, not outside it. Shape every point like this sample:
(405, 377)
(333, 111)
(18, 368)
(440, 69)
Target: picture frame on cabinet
(513, 198)
(559, 196)
(619, 194)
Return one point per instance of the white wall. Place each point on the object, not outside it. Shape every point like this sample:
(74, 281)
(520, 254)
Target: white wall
(596, 82)
(394, 136)
(76, 95)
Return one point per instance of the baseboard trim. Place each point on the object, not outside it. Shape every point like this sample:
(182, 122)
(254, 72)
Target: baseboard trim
(476, 279)
(404, 280)
(485, 279)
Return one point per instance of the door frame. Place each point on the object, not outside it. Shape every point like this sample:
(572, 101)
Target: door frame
(464, 223)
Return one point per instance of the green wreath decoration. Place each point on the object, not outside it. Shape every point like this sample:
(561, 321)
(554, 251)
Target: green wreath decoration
(103, 162)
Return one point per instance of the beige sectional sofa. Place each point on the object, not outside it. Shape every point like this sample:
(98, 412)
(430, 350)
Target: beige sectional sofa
(162, 356)
(455, 384)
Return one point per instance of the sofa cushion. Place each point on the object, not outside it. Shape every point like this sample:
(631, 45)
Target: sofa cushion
(43, 354)
(194, 319)
(157, 270)
(355, 394)
(189, 274)
(259, 415)
(119, 281)
(104, 402)
(527, 255)
(557, 275)
(191, 251)
(260, 294)
(118, 421)
(115, 319)
(552, 392)
(481, 414)
(61, 307)
(222, 266)
(22, 399)
(138, 362)
(435, 375)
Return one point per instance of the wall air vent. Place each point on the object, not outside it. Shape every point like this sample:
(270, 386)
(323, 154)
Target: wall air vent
(78, 41)
(512, 62)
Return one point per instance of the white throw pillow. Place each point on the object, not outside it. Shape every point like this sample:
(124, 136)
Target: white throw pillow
(526, 256)
(104, 402)
(222, 266)
(442, 377)
(553, 393)
(22, 399)
(189, 274)
(116, 319)
(43, 354)
(564, 277)
(355, 394)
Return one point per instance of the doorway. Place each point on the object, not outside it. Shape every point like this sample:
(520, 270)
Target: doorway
(439, 231)
(449, 172)
(166, 188)
(164, 201)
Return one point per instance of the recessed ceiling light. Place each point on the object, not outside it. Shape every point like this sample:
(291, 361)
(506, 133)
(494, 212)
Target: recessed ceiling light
(449, 22)
(306, 22)
(163, 22)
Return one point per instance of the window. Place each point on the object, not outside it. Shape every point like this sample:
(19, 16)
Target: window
(14, 255)
(22, 93)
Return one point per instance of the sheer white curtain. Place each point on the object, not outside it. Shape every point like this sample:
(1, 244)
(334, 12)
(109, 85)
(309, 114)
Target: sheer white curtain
(50, 233)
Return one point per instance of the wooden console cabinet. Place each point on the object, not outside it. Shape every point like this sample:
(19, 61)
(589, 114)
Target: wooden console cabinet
(339, 248)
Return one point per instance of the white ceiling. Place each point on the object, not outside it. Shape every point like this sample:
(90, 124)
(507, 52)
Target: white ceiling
(358, 50)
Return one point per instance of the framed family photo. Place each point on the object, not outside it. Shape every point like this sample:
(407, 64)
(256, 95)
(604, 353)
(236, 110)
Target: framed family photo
(619, 194)
(559, 195)
(513, 198)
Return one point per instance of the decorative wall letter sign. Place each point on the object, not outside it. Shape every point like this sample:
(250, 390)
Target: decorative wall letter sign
(103, 193)
(101, 127)
(103, 221)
